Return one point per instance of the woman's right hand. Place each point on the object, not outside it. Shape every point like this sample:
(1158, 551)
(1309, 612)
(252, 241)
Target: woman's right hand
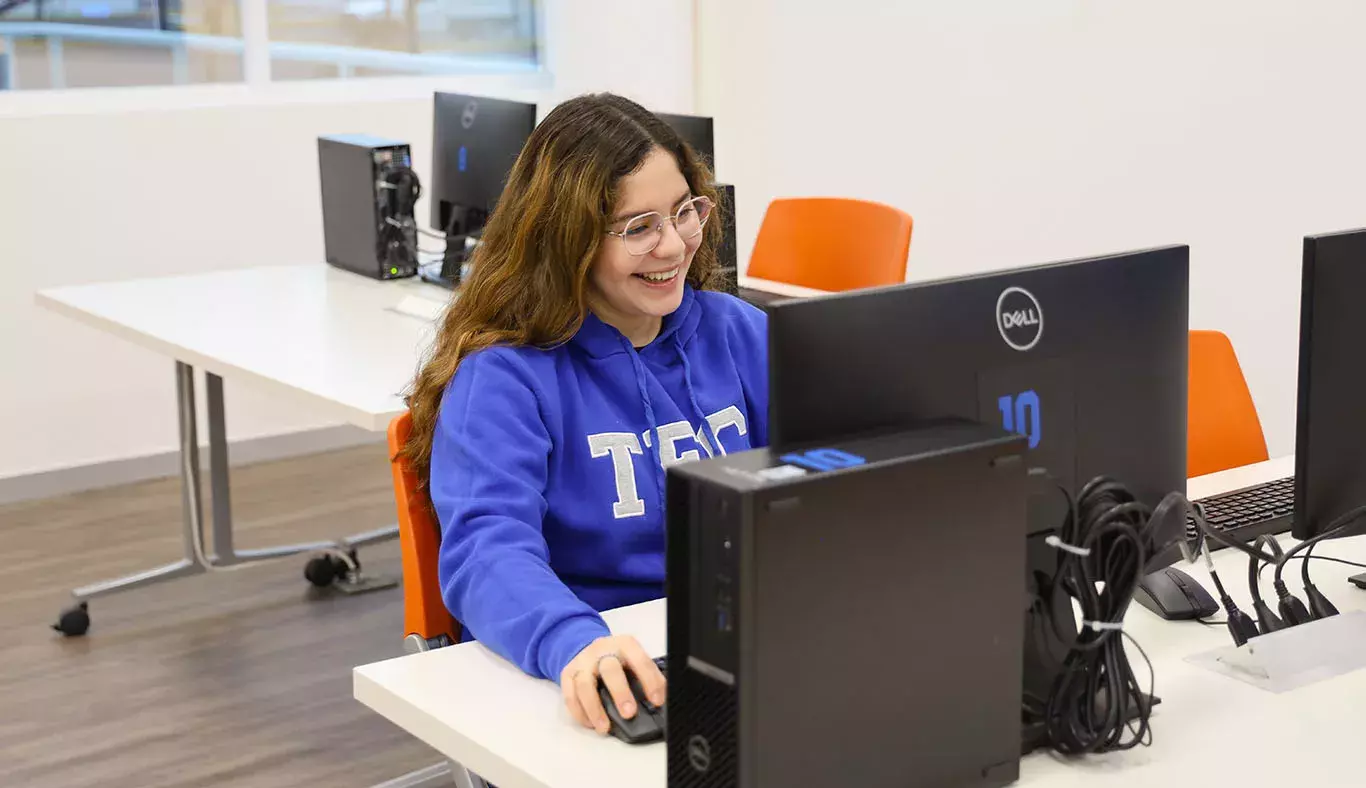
(610, 657)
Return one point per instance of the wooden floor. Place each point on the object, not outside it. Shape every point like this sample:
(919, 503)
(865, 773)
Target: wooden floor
(234, 678)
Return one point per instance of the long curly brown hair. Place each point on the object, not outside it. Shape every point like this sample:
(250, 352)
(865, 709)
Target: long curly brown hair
(529, 273)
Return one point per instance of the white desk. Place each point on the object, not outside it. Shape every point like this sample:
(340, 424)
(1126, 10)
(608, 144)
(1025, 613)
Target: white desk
(482, 712)
(343, 344)
(324, 337)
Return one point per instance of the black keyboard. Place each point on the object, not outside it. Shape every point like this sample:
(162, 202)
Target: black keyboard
(759, 298)
(1250, 512)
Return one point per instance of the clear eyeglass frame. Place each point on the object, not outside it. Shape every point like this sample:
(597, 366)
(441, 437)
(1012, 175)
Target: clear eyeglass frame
(643, 233)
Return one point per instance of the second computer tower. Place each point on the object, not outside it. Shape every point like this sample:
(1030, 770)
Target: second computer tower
(848, 615)
(368, 221)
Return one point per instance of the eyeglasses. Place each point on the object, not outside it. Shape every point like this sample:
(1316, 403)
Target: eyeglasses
(644, 232)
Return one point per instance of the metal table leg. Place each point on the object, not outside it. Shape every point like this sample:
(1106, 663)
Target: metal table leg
(436, 775)
(189, 497)
(224, 553)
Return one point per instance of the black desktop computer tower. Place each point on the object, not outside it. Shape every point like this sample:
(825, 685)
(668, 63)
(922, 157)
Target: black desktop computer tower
(366, 187)
(849, 614)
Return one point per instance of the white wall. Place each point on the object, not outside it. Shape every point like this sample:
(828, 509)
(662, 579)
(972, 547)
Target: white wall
(1024, 132)
(200, 180)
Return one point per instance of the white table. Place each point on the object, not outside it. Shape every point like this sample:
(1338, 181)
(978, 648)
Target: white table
(482, 712)
(342, 344)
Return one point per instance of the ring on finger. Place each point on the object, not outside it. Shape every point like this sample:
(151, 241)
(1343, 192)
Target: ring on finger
(612, 654)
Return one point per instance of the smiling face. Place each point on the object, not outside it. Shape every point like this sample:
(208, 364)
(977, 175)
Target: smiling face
(633, 292)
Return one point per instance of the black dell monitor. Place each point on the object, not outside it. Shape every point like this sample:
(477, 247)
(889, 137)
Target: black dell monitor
(1087, 358)
(475, 141)
(696, 131)
(1330, 434)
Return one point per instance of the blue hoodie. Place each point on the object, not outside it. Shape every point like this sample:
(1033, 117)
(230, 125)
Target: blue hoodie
(547, 469)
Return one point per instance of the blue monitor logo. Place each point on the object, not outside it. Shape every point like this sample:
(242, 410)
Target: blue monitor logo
(823, 459)
(1023, 413)
(462, 159)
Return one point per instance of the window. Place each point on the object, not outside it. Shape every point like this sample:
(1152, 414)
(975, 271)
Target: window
(401, 36)
(49, 44)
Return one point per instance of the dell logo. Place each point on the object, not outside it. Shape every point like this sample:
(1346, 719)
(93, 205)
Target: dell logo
(467, 117)
(1019, 318)
(699, 753)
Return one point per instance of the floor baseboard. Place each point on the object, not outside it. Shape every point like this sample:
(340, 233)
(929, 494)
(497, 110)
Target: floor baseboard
(63, 481)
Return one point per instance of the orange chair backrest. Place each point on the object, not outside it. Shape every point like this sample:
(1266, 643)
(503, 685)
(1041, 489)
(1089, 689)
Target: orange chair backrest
(1223, 430)
(424, 612)
(833, 244)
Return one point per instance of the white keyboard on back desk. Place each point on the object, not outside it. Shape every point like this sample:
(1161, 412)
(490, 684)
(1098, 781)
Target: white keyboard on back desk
(420, 308)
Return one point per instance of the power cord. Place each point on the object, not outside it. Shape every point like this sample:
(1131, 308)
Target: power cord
(1319, 606)
(1292, 609)
(339, 552)
(1096, 704)
(1240, 625)
(1342, 561)
(404, 189)
(1267, 621)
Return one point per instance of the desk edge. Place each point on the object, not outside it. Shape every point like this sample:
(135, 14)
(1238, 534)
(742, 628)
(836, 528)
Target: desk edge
(448, 741)
(351, 414)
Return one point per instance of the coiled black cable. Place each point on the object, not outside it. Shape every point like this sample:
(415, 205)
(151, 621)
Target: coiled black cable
(1097, 704)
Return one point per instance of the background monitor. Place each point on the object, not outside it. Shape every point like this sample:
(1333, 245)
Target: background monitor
(1330, 434)
(697, 132)
(475, 142)
(1087, 358)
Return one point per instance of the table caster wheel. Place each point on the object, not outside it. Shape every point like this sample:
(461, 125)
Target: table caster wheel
(322, 570)
(74, 621)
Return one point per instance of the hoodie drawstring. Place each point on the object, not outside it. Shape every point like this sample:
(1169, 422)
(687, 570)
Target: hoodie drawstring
(707, 431)
(649, 420)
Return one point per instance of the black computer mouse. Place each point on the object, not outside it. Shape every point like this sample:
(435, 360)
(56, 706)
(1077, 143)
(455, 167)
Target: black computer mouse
(1175, 596)
(648, 723)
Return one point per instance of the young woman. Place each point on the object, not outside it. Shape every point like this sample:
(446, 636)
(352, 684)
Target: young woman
(583, 357)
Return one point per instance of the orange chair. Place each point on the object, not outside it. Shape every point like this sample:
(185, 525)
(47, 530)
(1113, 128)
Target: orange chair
(426, 621)
(1223, 430)
(831, 244)
(427, 624)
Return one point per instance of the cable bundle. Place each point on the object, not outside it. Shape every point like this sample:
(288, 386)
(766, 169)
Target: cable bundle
(1107, 538)
(1096, 704)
